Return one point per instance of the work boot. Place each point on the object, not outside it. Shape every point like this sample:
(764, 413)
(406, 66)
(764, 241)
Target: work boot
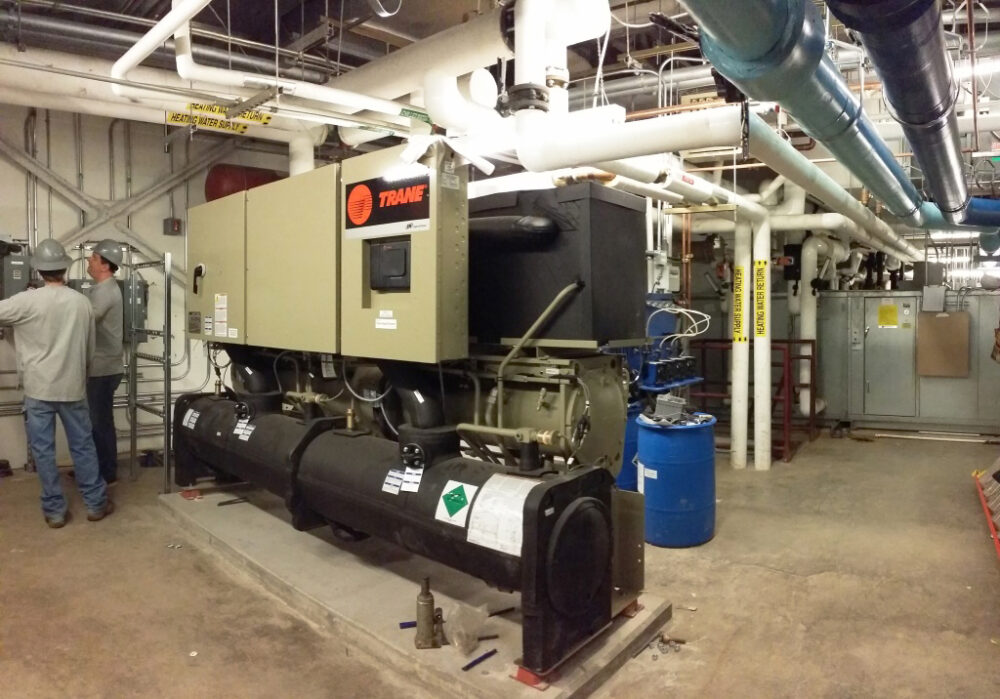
(57, 521)
(100, 514)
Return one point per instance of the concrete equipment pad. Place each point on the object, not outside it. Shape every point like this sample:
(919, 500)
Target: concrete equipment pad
(362, 590)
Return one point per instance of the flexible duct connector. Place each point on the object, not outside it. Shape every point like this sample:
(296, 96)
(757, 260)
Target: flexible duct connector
(796, 72)
(905, 42)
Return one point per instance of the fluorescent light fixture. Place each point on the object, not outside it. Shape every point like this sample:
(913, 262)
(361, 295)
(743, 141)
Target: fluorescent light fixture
(954, 235)
(985, 67)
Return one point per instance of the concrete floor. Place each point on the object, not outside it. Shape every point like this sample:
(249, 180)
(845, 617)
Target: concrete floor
(105, 609)
(861, 569)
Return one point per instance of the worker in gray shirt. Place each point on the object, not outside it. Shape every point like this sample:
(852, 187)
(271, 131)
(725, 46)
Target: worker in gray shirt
(107, 369)
(54, 337)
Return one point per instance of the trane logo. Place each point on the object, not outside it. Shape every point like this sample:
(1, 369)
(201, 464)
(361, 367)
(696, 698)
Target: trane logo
(405, 195)
(369, 204)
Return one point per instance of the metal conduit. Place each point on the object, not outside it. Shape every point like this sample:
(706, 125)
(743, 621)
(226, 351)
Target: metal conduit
(50, 31)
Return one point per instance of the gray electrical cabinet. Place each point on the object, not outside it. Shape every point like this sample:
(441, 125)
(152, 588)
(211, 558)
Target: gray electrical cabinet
(14, 275)
(141, 303)
(868, 363)
(890, 356)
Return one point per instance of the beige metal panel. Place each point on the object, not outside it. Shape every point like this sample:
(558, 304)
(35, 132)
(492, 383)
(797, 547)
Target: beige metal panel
(429, 322)
(293, 273)
(216, 240)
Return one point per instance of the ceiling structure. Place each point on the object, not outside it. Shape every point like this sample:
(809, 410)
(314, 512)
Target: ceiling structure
(317, 39)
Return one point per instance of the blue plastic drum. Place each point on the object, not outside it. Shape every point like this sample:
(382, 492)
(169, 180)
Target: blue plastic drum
(677, 476)
(627, 477)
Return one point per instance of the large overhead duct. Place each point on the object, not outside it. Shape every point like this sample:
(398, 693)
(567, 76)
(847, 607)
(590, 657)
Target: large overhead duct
(796, 72)
(777, 53)
(905, 42)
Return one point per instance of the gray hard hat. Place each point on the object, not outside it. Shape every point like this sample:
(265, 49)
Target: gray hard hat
(50, 256)
(110, 250)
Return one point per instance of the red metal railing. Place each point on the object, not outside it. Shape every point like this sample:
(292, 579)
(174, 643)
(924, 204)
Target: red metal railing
(784, 389)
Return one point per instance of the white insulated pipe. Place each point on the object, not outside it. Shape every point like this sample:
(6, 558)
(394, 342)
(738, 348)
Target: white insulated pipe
(762, 345)
(740, 407)
(182, 12)
(463, 113)
(455, 51)
(813, 248)
(117, 110)
(188, 69)
(546, 143)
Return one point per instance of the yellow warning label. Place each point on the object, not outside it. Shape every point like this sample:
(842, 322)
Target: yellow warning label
(760, 298)
(207, 122)
(739, 291)
(249, 115)
(888, 315)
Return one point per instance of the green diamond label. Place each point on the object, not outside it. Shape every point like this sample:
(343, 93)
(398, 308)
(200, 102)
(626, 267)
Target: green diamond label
(453, 505)
(455, 500)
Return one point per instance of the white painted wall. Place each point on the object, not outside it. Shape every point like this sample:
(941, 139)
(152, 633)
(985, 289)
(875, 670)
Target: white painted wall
(149, 165)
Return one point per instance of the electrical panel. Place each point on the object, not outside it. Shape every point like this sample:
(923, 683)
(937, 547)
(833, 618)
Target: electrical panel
(141, 303)
(404, 262)
(216, 270)
(16, 273)
(292, 268)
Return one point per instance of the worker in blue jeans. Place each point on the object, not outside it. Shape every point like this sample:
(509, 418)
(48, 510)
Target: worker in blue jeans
(54, 338)
(106, 368)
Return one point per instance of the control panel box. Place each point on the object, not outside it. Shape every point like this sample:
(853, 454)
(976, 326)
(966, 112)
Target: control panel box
(15, 273)
(404, 262)
(216, 270)
(141, 303)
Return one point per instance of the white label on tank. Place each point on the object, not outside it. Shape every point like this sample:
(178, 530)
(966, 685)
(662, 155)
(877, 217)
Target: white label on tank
(190, 418)
(411, 479)
(497, 519)
(649, 473)
(640, 471)
(241, 427)
(393, 481)
(385, 314)
(453, 505)
(385, 323)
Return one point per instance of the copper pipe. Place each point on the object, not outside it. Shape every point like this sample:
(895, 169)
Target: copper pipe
(971, 9)
(686, 258)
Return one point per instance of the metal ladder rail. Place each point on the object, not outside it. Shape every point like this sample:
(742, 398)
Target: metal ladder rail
(134, 405)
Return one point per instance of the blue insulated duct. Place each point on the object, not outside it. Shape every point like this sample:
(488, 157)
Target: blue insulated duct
(774, 50)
